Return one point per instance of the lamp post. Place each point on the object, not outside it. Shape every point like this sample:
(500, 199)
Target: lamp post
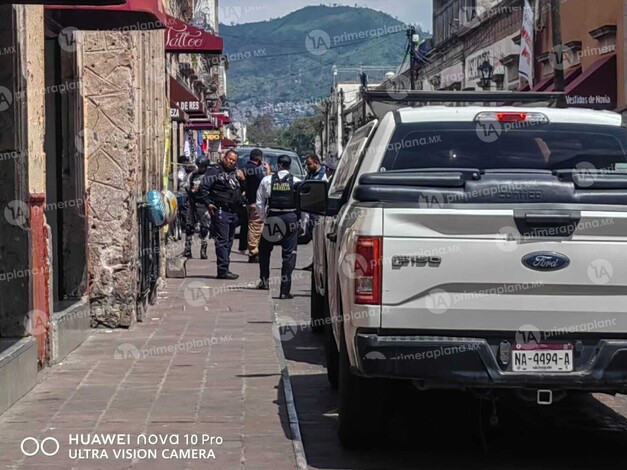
(486, 70)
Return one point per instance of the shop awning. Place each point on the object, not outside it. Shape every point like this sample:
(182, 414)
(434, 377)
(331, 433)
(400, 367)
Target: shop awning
(543, 84)
(222, 118)
(596, 86)
(132, 15)
(569, 77)
(176, 114)
(183, 37)
(62, 2)
(185, 100)
(200, 125)
(228, 143)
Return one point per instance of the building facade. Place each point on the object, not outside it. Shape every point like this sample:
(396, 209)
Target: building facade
(90, 124)
(470, 33)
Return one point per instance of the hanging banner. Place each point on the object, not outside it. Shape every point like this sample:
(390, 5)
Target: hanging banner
(525, 60)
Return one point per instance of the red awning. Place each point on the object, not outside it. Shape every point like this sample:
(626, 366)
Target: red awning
(200, 125)
(222, 118)
(135, 15)
(63, 2)
(186, 100)
(176, 114)
(596, 87)
(183, 37)
(570, 76)
(543, 84)
(228, 143)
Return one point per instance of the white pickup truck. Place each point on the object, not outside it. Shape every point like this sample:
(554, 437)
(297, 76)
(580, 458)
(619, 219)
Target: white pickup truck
(473, 248)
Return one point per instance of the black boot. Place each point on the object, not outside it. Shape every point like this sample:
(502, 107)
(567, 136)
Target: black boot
(188, 247)
(203, 250)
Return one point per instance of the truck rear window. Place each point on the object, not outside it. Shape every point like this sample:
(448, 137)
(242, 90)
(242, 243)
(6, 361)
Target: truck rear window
(506, 146)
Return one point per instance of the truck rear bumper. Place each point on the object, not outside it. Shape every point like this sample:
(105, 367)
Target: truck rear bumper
(458, 362)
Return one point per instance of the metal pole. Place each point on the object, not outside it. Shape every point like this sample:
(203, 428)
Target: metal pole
(556, 27)
(412, 58)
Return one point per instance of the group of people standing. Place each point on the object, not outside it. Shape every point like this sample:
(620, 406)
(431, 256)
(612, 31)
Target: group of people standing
(216, 194)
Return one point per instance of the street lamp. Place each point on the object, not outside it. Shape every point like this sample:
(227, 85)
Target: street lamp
(486, 70)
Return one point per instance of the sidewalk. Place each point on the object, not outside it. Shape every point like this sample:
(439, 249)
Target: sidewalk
(202, 365)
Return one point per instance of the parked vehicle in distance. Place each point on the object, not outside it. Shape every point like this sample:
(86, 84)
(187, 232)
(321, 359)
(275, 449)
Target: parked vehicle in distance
(472, 248)
(271, 155)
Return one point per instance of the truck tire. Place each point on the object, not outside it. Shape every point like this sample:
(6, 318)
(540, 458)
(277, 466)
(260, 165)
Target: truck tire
(317, 309)
(330, 350)
(362, 405)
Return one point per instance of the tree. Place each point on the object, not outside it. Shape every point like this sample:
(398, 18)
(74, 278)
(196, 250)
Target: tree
(262, 132)
(301, 135)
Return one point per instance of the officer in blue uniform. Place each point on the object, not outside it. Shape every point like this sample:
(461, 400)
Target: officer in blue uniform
(277, 204)
(221, 191)
(197, 212)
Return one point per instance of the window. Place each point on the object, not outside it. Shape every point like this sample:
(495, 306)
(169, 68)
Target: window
(531, 146)
(349, 160)
(446, 20)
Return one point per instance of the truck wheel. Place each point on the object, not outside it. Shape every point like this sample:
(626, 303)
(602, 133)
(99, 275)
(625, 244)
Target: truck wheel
(317, 309)
(330, 350)
(362, 405)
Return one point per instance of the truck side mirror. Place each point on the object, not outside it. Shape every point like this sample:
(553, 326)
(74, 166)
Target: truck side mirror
(313, 197)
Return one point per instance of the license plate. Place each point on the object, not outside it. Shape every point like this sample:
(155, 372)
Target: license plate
(542, 358)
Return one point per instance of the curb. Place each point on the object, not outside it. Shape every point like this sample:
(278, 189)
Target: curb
(297, 439)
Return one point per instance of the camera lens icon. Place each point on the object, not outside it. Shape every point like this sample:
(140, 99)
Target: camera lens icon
(48, 446)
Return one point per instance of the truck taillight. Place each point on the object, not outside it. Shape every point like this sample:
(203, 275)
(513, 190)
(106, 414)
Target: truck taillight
(367, 270)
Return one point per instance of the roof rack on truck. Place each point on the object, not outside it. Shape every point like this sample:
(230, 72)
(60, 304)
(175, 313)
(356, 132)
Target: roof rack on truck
(374, 104)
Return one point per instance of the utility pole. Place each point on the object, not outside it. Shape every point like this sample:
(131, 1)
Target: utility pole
(412, 57)
(556, 28)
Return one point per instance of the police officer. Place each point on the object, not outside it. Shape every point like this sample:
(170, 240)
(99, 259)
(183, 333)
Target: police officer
(277, 204)
(221, 192)
(197, 211)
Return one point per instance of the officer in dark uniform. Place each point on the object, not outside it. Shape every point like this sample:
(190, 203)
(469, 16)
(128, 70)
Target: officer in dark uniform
(221, 192)
(197, 212)
(277, 204)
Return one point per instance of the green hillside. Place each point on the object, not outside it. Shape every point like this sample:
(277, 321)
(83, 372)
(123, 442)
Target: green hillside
(290, 59)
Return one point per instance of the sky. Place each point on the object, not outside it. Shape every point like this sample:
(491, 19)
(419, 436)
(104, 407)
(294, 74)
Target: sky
(417, 12)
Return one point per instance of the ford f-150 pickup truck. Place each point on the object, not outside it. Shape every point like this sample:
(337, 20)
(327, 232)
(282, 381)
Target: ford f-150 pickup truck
(475, 248)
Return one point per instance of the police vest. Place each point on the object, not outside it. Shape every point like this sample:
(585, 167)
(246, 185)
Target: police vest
(226, 192)
(282, 194)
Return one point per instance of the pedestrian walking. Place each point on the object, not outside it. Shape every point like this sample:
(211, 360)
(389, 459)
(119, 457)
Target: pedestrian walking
(197, 211)
(184, 168)
(221, 192)
(256, 170)
(316, 171)
(277, 205)
(331, 164)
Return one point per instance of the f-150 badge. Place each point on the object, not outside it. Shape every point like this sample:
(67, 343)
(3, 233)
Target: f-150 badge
(399, 262)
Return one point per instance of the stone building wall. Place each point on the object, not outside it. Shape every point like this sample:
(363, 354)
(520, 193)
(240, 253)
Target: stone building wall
(23, 234)
(123, 128)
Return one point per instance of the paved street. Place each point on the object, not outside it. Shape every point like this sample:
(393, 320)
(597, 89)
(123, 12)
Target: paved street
(440, 430)
(203, 363)
(221, 377)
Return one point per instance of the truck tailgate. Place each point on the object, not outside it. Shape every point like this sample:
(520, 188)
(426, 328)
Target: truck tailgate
(462, 269)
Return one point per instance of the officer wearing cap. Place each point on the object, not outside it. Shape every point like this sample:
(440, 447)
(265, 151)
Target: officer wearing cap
(277, 204)
(221, 192)
(197, 211)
